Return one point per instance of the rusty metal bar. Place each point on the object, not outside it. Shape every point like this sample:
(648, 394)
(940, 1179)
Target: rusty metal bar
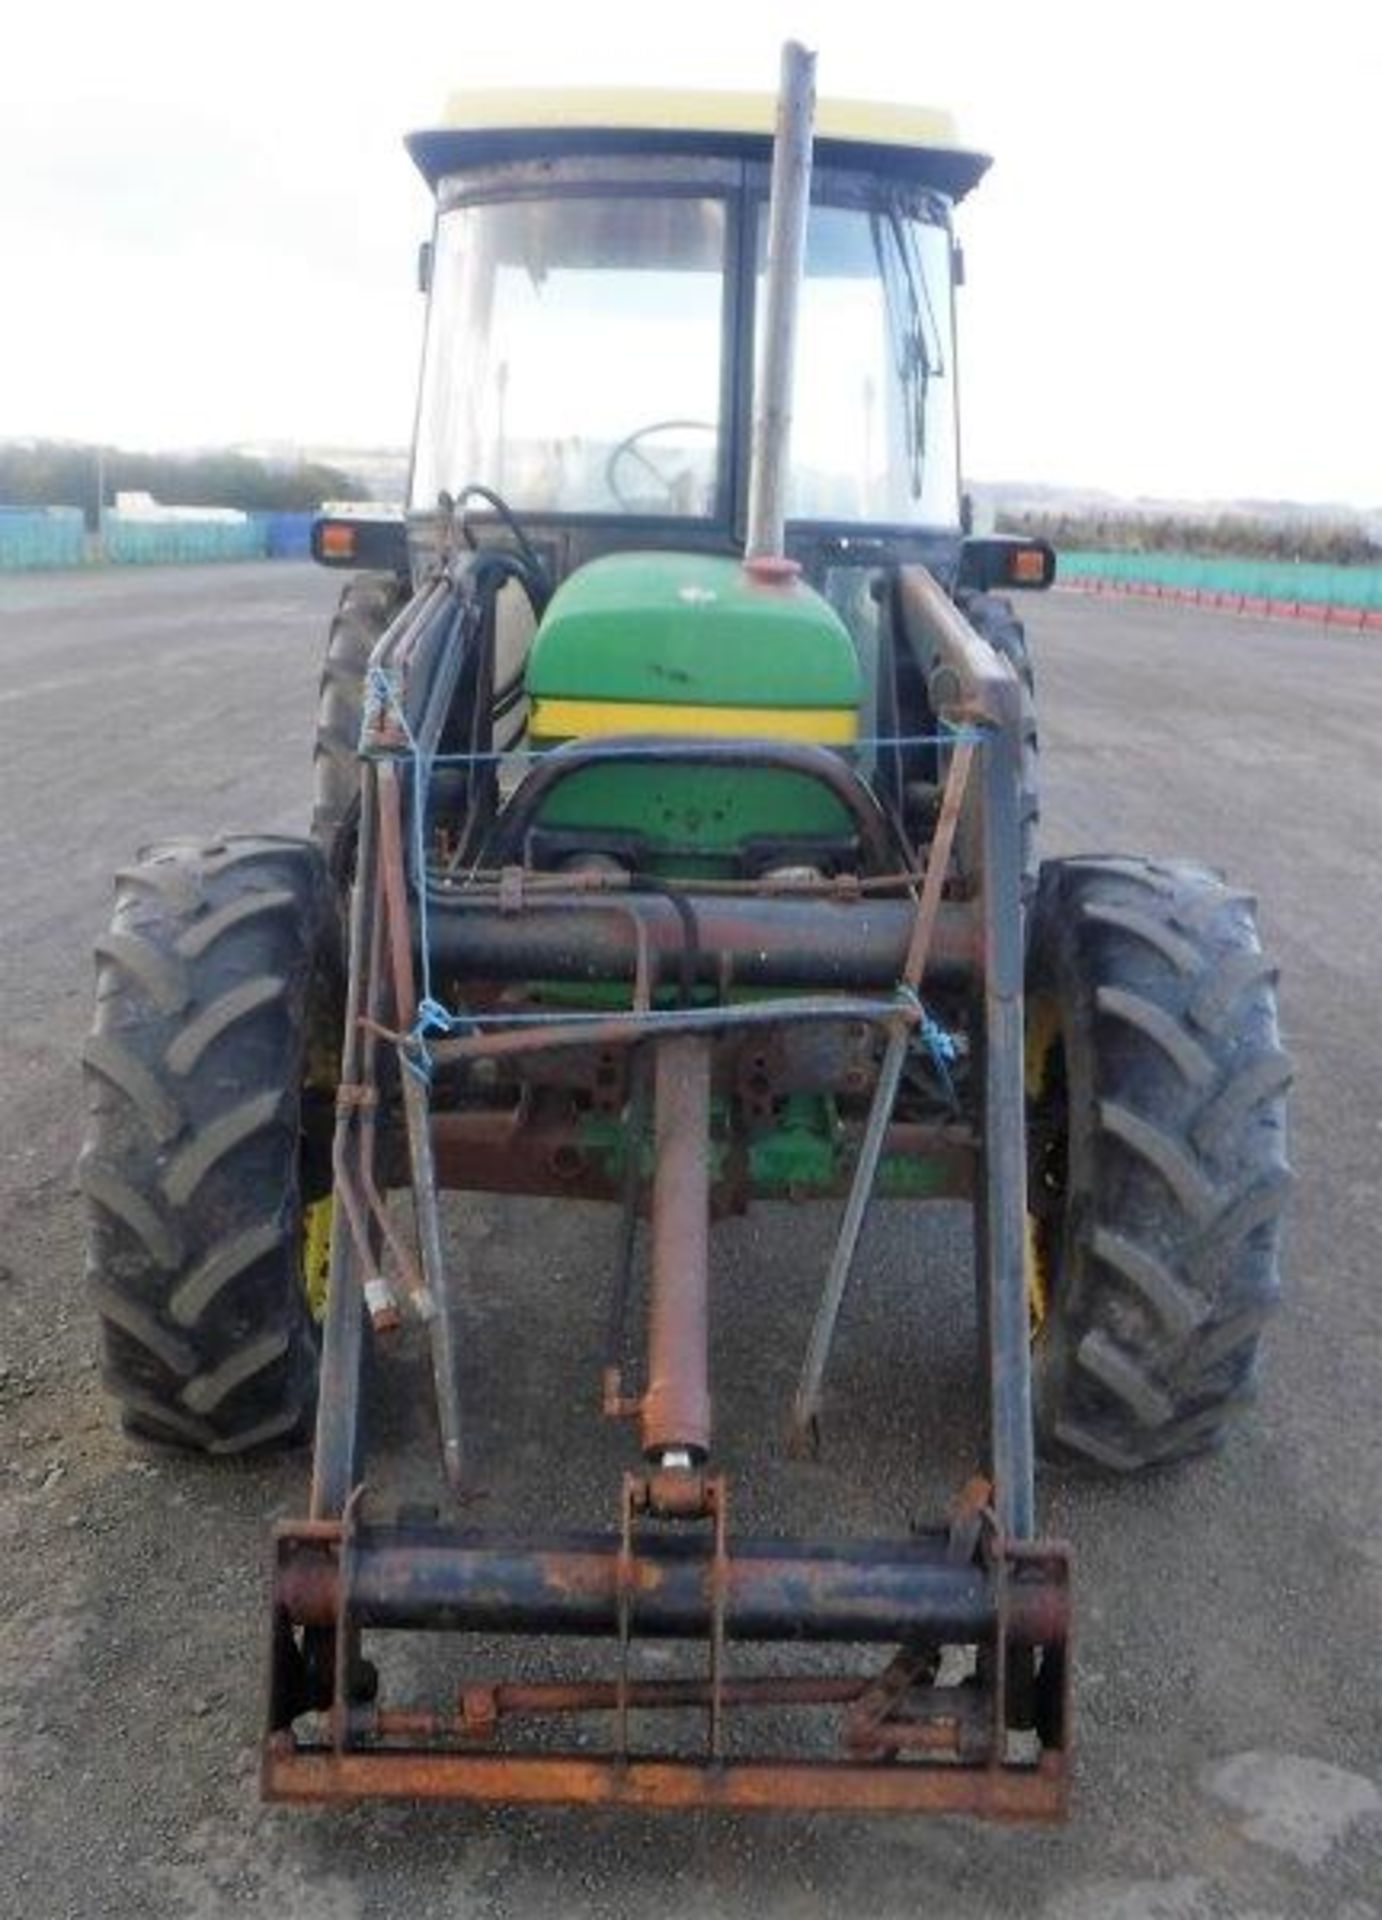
(521, 1699)
(395, 877)
(389, 925)
(613, 1402)
(434, 1295)
(485, 883)
(978, 682)
(937, 867)
(675, 1412)
(774, 940)
(1034, 1793)
(499, 1151)
(443, 1580)
(806, 1406)
(1000, 1238)
(968, 680)
(337, 1451)
(441, 1327)
(624, 1028)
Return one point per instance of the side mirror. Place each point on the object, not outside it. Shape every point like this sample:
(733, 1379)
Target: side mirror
(424, 267)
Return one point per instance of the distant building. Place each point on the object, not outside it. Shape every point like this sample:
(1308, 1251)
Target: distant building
(135, 505)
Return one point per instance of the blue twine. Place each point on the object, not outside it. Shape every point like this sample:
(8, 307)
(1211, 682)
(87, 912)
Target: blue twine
(939, 1042)
(432, 1017)
(383, 691)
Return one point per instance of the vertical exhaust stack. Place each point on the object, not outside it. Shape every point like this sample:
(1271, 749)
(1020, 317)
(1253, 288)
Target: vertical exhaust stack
(787, 210)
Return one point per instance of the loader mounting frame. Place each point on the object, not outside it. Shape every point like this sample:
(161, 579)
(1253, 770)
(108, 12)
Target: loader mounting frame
(912, 1737)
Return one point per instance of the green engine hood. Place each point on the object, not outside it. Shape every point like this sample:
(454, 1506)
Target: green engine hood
(694, 631)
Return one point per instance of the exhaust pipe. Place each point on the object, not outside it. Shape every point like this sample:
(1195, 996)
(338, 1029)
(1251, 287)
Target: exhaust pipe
(787, 210)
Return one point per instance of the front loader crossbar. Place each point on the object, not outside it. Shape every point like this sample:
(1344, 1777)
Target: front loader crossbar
(568, 1779)
(995, 1743)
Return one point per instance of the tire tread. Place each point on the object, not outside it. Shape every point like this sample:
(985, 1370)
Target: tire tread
(1177, 1175)
(206, 985)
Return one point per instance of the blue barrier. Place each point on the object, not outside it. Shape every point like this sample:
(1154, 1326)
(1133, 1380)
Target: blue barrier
(1303, 583)
(131, 540)
(56, 537)
(42, 537)
(287, 536)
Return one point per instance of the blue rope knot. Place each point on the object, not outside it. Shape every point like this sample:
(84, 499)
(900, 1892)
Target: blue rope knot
(939, 1042)
(433, 1017)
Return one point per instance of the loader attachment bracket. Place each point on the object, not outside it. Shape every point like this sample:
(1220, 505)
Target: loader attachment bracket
(969, 1712)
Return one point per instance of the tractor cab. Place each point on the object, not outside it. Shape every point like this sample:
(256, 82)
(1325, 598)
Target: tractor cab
(596, 297)
(594, 352)
(596, 285)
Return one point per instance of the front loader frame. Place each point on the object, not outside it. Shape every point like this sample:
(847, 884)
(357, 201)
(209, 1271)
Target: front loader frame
(672, 1567)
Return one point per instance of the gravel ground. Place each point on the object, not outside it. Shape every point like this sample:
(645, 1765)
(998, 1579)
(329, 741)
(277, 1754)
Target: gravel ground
(1230, 1711)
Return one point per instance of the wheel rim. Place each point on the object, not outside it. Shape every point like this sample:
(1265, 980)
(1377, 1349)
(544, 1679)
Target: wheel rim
(316, 1253)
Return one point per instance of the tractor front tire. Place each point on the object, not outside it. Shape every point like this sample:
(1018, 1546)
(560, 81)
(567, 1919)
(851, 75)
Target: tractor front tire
(208, 1071)
(1157, 1172)
(366, 608)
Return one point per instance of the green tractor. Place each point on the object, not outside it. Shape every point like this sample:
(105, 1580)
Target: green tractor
(674, 847)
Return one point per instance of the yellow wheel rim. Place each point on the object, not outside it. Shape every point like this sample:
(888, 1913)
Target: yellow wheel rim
(1041, 1044)
(316, 1252)
(1038, 1288)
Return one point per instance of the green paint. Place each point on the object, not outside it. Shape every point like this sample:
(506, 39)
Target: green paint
(903, 1177)
(692, 629)
(700, 812)
(801, 1155)
(798, 1155)
(604, 1139)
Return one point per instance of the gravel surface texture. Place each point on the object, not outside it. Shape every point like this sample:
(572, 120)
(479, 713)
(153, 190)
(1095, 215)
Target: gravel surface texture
(1229, 1701)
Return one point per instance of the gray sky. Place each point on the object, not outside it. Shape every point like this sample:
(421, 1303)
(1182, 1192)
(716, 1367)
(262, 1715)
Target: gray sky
(208, 223)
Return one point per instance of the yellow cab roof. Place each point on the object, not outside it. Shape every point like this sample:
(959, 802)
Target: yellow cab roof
(919, 143)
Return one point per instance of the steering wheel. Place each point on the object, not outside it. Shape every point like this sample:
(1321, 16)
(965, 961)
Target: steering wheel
(629, 449)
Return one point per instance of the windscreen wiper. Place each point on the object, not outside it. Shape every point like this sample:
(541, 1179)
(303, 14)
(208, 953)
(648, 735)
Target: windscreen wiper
(910, 313)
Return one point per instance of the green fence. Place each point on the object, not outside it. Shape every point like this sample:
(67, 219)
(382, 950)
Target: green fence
(1280, 582)
(52, 538)
(131, 541)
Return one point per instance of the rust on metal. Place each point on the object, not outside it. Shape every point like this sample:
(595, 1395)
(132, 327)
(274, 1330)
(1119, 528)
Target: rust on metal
(675, 1414)
(878, 1591)
(774, 979)
(355, 1099)
(393, 874)
(497, 1150)
(675, 1493)
(784, 940)
(1037, 1793)
(984, 686)
(483, 1704)
(937, 868)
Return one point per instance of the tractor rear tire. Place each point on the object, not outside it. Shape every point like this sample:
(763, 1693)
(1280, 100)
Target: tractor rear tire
(366, 608)
(1157, 1171)
(992, 617)
(209, 1071)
